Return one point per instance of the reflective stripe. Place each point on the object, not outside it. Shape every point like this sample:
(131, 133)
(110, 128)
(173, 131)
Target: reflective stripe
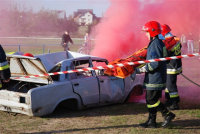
(4, 67)
(154, 85)
(154, 105)
(166, 90)
(173, 95)
(177, 48)
(0, 85)
(3, 63)
(149, 66)
(174, 71)
(141, 65)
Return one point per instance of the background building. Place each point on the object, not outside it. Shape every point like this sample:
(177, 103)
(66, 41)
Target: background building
(84, 16)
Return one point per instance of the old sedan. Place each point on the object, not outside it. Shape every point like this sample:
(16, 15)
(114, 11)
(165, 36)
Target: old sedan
(39, 96)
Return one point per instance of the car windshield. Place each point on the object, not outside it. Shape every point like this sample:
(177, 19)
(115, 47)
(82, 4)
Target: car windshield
(81, 64)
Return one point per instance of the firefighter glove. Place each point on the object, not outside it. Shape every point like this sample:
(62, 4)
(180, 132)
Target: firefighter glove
(141, 70)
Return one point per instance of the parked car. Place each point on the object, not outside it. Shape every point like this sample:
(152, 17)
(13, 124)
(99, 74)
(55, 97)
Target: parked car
(39, 96)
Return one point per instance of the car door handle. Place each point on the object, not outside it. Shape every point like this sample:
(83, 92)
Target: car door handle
(76, 84)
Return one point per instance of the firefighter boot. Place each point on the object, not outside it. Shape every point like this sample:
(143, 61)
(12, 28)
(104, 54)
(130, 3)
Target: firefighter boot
(151, 122)
(168, 118)
(174, 106)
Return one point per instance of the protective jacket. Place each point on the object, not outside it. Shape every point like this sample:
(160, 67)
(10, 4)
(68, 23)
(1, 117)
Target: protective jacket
(4, 67)
(155, 76)
(174, 66)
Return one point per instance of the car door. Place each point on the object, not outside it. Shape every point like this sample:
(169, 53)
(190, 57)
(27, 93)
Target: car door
(85, 84)
(112, 89)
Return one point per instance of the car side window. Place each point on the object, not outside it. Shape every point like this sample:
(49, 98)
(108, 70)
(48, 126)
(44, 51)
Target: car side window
(70, 76)
(99, 72)
(78, 65)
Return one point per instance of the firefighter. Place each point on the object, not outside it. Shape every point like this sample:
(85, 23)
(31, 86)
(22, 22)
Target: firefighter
(155, 76)
(4, 68)
(65, 41)
(174, 68)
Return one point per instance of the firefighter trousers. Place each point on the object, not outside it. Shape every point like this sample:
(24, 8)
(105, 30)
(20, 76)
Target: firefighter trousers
(153, 102)
(171, 91)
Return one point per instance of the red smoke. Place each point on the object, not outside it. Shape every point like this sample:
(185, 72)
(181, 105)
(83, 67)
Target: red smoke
(119, 33)
(116, 35)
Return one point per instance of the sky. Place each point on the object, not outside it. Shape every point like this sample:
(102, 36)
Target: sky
(99, 6)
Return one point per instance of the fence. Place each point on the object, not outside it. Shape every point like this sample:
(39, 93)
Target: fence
(36, 45)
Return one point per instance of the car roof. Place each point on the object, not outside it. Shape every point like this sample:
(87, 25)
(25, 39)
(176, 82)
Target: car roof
(51, 59)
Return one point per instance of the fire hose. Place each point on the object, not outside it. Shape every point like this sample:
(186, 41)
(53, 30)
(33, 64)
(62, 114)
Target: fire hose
(187, 78)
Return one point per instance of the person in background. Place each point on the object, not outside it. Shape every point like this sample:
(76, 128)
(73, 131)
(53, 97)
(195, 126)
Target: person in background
(86, 39)
(155, 76)
(190, 43)
(65, 41)
(4, 68)
(199, 45)
(184, 44)
(174, 68)
(87, 43)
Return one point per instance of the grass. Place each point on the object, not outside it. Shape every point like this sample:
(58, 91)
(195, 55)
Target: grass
(37, 46)
(38, 49)
(37, 41)
(114, 119)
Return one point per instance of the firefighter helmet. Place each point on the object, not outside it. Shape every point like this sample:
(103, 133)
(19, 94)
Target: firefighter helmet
(28, 54)
(165, 29)
(153, 27)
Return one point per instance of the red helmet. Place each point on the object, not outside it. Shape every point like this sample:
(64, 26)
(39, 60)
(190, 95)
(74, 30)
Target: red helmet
(153, 27)
(28, 54)
(165, 29)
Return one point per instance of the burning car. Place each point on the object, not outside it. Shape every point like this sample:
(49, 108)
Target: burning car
(39, 96)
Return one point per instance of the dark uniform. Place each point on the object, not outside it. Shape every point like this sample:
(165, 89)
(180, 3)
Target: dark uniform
(174, 68)
(65, 41)
(155, 76)
(155, 82)
(4, 67)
